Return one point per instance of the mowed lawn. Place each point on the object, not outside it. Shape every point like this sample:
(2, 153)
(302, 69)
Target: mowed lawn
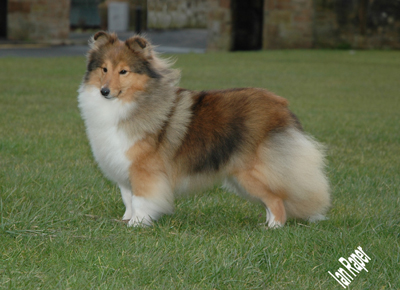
(58, 227)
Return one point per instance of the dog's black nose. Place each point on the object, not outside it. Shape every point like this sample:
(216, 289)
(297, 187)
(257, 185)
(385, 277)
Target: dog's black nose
(105, 91)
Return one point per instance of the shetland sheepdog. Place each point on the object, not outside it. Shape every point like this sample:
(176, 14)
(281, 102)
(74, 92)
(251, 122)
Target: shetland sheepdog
(156, 140)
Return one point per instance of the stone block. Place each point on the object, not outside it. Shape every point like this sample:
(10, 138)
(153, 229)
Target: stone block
(225, 4)
(280, 17)
(177, 13)
(18, 7)
(38, 19)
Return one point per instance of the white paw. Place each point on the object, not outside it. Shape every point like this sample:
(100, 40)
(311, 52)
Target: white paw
(140, 222)
(145, 211)
(316, 218)
(127, 215)
(271, 222)
(274, 224)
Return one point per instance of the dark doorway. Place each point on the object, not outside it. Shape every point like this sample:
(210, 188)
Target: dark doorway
(247, 19)
(3, 19)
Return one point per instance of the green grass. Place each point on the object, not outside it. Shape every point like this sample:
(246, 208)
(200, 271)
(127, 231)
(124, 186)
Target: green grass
(58, 228)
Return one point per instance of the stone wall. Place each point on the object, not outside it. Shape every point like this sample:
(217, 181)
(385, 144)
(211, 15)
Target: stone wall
(171, 14)
(361, 24)
(39, 20)
(219, 25)
(287, 24)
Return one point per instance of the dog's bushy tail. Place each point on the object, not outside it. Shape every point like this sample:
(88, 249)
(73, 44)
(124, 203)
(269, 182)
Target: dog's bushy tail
(295, 165)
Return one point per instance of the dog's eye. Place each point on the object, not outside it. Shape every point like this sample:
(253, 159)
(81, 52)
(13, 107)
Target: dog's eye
(104, 69)
(122, 72)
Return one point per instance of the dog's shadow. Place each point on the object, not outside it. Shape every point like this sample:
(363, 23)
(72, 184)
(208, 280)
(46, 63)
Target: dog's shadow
(223, 218)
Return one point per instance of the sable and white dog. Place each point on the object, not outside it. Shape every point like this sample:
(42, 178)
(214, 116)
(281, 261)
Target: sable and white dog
(155, 139)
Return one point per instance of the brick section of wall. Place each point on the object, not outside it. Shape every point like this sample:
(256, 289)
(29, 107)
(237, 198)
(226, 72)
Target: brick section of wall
(167, 14)
(287, 24)
(39, 20)
(219, 25)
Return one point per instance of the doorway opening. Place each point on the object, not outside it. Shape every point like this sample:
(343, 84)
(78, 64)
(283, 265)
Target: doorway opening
(3, 19)
(247, 19)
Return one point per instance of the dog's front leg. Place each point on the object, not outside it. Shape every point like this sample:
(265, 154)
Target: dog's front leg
(150, 208)
(152, 194)
(126, 194)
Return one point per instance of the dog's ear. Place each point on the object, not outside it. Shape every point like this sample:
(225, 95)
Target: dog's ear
(101, 38)
(101, 34)
(139, 45)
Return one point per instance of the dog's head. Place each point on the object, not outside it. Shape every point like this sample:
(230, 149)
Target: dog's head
(120, 68)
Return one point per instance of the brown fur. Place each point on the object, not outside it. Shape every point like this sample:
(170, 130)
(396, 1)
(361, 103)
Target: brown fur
(187, 137)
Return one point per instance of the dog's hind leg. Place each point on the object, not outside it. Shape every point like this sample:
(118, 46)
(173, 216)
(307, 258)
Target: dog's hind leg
(254, 184)
(294, 163)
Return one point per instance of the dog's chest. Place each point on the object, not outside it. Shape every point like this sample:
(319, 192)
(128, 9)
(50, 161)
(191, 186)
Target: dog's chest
(109, 147)
(109, 143)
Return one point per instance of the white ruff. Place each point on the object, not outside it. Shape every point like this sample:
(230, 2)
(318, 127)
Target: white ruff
(109, 143)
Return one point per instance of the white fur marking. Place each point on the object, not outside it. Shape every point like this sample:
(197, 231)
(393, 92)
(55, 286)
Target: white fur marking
(146, 210)
(109, 144)
(316, 218)
(126, 194)
(272, 223)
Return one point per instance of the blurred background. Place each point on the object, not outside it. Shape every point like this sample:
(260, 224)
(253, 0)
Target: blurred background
(213, 25)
